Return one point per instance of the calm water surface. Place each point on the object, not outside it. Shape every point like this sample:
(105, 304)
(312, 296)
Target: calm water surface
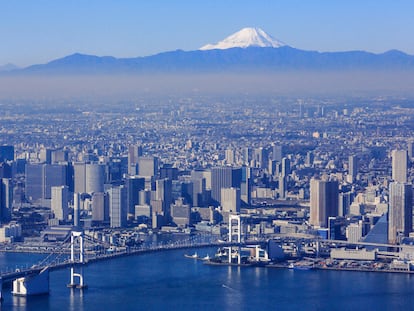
(168, 281)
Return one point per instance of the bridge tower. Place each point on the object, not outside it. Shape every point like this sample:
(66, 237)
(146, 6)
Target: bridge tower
(76, 243)
(235, 231)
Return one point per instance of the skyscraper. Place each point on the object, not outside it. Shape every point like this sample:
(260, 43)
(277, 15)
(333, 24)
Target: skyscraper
(6, 153)
(260, 157)
(89, 177)
(246, 185)
(6, 199)
(277, 153)
(224, 177)
(117, 206)
(100, 209)
(285, 167)
(410, 147)
(40, 178)
(399, 165)
(60, 201)
(163, 193)
(352, 168)
(134, 151)
(134, 185)
(230, 156)
(147, 166)
(400, 212)
(230, 200)
(323, 201)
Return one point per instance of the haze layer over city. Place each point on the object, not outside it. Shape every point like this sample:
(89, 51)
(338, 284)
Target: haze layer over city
(178, 160)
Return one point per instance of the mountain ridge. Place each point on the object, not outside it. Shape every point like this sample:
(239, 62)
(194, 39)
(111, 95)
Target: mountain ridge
(246, 37)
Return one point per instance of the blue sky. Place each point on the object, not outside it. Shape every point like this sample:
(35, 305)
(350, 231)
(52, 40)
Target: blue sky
(37, 31)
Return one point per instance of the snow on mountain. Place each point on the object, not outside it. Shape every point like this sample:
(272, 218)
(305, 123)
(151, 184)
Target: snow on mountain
(247, 37)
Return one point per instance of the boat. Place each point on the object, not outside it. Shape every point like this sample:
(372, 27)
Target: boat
(303, 267)
(206, 258)
(300, 266)
(194, 256)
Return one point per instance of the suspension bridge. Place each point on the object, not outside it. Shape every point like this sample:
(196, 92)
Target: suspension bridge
(78, 250)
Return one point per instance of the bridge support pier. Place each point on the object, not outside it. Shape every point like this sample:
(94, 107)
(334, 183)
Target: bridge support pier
(35, 284)
(76, 238)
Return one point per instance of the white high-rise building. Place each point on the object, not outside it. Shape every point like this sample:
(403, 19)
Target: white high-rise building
(354, 232)
(60, 202)
(230, 156)
(89, 177)
(230, 200)
(400, 212)
(118, 207)
(399, 165)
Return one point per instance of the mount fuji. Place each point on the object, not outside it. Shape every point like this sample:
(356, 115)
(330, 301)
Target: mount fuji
(247, 37)
(250, 50)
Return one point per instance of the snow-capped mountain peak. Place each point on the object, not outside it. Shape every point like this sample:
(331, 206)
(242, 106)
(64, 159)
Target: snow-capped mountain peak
(247, 37)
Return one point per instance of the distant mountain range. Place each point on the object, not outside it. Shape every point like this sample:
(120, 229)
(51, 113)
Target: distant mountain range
(249, 50)
(8, 67)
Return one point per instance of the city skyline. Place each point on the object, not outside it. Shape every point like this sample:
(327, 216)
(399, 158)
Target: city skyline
(129, 29)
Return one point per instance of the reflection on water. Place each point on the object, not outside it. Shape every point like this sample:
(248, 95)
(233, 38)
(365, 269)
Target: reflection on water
(20, 302)
(76, 299)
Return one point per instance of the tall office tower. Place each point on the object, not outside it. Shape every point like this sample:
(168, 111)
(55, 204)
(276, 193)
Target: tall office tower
(45, 155)
(198, 174)
(100, 208)
(60, 202)
(76, 209)
(6, 153)
(89, 177)
(345, 200)
(117, 167)
(260, 157)
(134, 185)
(144, 197)
(400, 213)
(230, 156)
(309, 159)
(230, 200)
(410, 147)
(168, 171)
(399, 165)
(246, 155)
(277, 153)
(54, 175)
(163, 193)
(118, 207)
(59, 156)
(246, 185)
(352, 168)
(282, 187)
(285, 167)
(147, 166)
(199, 192)
(224, 177)
(5, 170)
(323, 201)
(6, 199)
(134, 151)
(40, 178)
(180, 213)
(34, 182)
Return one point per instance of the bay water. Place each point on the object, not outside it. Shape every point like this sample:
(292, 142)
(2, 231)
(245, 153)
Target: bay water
(168, 281)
